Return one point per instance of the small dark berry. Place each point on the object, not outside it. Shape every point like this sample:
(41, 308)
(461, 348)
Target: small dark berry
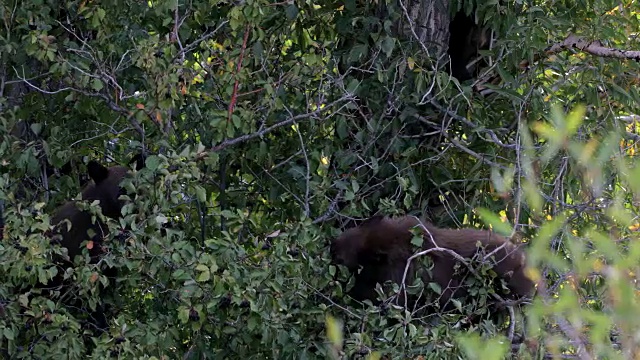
(225, 301)
(193, 315)
(244, 304)
(119, 340)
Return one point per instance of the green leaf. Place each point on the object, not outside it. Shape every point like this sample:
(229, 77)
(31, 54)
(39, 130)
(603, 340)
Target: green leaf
(237, 121)
(417, 239)
(574, 119)
(201, 193)
(292, 12)
(258, 50)
(101, 13)
(205, 273)
(387, 45)
(334, 331)
(435, 287)
(9, 334)
(358, 52)
(374, 356)
(490, 218)
(482, 348)
(152, 162)
(161, 219)
(183, 314)
(229, 131)
(36, 128)
(532, 194)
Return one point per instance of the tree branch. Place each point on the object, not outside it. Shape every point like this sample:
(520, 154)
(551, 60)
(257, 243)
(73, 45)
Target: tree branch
(594, 47)
(227, 143)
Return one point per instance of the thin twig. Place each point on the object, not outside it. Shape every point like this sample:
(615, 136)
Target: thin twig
(234, 96)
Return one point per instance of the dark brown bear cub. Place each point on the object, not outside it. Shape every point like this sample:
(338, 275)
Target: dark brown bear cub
(104, 188)
(73, 226)
(381, 246)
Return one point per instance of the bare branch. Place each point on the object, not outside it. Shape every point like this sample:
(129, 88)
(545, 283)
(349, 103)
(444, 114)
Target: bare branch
(197, 42)
(594, 48)
(330, 210)
(590, 47)
(227, 143)
(110, 103)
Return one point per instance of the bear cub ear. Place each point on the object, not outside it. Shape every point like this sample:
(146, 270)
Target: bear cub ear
(97, 172)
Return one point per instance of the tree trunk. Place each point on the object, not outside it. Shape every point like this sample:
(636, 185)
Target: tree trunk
(428, 23)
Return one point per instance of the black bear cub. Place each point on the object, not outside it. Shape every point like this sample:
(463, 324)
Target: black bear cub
(105, 188)
(73, 226)
(378, 249)
(466, 38)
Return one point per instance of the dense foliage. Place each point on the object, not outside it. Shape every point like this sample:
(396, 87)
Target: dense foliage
(270, 126)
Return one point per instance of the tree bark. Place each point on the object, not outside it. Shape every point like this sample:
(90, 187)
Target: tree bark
(426, 21)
